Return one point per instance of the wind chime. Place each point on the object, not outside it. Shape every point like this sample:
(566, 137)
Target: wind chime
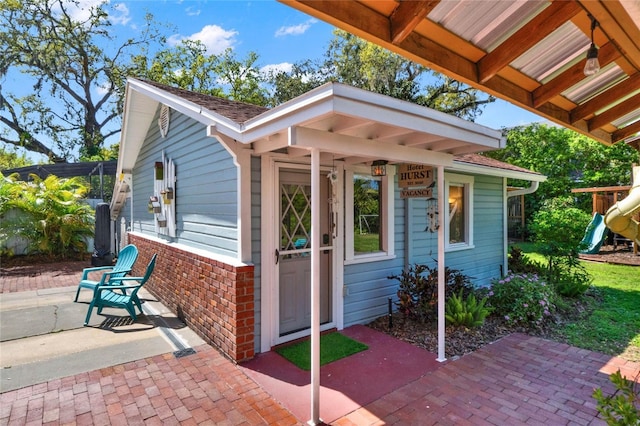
(333, 201)
(432, 215)
(432, 220)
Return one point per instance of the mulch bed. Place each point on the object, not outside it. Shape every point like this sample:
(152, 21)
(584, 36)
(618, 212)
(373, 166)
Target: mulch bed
(620, 255)
(458, 340)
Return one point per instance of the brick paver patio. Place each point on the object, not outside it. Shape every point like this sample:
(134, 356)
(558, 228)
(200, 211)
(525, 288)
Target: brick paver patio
(519, 380)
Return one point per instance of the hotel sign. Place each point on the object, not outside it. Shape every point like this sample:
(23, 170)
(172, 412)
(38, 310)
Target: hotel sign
(410, 175)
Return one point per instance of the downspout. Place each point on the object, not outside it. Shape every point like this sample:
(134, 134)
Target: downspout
(618, 218)
(518, 192)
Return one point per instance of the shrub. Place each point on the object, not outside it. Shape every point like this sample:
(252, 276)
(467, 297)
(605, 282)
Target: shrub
(623, 407)
(418, 289)
(466, 312)
(560, 227)
(570, 278)
(519, 263)
(523, 299)
(52, 215)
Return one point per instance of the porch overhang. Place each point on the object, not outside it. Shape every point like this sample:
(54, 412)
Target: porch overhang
(356, 126)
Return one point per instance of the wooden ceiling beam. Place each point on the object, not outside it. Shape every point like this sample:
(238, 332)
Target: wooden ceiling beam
(350, 16)
(364, 22)
(407, 16)
(607, 54)
(617, 111)
(608, 97)
(625, 132)
(526, 37)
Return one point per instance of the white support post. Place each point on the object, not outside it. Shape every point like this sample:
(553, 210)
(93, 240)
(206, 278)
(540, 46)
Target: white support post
(443, 218)
(315, 287)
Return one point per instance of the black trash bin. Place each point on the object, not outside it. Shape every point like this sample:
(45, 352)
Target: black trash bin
(102, 255)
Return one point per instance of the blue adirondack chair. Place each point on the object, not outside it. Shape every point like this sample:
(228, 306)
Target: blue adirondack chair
(105, 296)
(126, 259)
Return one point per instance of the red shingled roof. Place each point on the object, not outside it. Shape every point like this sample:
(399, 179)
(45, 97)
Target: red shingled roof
(481, 160)
(233, 110)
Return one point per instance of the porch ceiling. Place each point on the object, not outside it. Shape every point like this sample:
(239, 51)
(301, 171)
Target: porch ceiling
(357, 126)
(530, 53)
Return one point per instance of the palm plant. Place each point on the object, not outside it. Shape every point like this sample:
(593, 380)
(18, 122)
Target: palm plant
(50, 214)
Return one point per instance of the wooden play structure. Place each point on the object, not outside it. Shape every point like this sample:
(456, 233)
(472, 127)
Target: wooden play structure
(605, 197)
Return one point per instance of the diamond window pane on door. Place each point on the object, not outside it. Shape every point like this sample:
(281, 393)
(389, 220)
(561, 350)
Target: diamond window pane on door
(295, 216)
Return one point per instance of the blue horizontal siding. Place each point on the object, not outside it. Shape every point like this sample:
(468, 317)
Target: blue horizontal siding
(206, 186)
(368, 286)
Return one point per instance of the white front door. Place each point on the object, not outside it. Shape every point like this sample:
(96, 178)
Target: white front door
(293, 252)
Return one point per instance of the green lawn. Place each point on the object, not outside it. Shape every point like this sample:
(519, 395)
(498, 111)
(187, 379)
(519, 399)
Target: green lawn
(611, 321)
(366, 243)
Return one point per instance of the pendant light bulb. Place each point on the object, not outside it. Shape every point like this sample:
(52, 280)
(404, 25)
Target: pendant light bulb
(592, 66)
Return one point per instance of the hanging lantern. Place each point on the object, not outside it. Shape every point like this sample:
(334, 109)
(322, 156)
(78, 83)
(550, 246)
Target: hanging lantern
(379, 168)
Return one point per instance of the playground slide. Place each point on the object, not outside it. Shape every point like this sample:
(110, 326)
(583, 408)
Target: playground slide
(618, 218)
(595, 235)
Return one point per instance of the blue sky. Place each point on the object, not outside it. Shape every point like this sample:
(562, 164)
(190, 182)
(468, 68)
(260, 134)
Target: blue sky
(278, 33)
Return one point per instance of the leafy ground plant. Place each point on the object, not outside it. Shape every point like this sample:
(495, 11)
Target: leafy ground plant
(523, 299)
(623, 407)
(418, 289)
(466, 312)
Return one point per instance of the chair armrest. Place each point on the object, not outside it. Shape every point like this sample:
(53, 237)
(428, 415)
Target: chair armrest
(113, 287)
(99, 289)
(106, 277)
(114, 279)
(85, 271)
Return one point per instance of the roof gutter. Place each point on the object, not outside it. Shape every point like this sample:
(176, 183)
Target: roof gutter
(524, 191)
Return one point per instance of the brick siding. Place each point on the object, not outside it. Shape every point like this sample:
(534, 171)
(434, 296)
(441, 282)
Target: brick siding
(214, 299)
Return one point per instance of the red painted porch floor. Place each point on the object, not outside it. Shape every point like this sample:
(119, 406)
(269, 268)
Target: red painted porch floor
(346, 384)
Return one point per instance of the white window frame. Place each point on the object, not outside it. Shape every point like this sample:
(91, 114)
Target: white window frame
(466, 182)
(387, 199)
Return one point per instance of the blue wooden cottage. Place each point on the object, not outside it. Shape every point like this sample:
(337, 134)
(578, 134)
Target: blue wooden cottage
(271, 224)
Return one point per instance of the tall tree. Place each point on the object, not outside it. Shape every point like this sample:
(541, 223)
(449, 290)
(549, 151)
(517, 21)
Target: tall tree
(568, 159)
(186, 65)
(189, 66)
(353, 61)
(10, 159)
(242, 77)
(74, 85)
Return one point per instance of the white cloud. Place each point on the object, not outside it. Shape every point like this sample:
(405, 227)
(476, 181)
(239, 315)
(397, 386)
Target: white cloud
(215, 38)
(295, 29)
(81, 11)
(121, 15)
(284, 66)
(191, 11)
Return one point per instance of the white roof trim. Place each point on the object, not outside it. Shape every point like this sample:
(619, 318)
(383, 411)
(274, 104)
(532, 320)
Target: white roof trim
(460, 166)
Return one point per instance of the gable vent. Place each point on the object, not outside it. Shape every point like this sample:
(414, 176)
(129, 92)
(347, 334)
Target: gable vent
(163, 121)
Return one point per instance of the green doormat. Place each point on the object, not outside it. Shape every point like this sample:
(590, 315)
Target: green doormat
(333, 346)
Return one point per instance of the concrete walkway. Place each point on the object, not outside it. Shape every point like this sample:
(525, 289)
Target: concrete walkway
(519, 380)
(43, 336)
